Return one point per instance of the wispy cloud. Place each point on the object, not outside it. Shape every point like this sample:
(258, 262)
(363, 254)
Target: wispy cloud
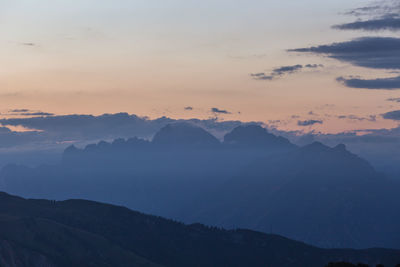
(28, 112)
(358, 118)
(284, 70)
(394, 99)
(377, 9)
(392, 115)
(384, 23)
(28, 44)
(220, 111)
(392, 83)
(369, 52)
(261, 76)
(382, 15)
(37, 114)
(309, 122)
(19, 110)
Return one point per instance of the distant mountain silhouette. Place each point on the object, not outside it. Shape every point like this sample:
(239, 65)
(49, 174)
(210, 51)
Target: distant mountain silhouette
(257, 137)
(321, 195)
(184, 134)
(85, 233)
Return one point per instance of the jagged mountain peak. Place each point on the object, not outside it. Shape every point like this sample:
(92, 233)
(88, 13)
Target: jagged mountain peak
(184, 134)
(256, 136)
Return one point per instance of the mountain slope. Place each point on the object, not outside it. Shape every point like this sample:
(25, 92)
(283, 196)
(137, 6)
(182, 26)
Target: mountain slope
(254, 136)
(47, 242)
(184, 134)
(321, 195)
(85, 233)
(157, 177)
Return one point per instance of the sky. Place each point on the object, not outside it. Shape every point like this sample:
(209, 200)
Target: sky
(235, 60)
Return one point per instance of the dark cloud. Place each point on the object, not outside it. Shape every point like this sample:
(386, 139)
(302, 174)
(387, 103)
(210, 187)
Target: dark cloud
(392, 115)
(383, 15)
(275, 121)
(392, 83)
(286, 69)
(188, 108)
(88, 128)
(378, 9)
(362, 11)
(394, 99)
(36, 114)
(278, 72)
(10, 138)
(28, 44)
(219, 111)
(370, 52)
(384, 23)
(28, 112)
(358, 118)
(261, 76)
(19, 110)
(309, 122)
(314, 66)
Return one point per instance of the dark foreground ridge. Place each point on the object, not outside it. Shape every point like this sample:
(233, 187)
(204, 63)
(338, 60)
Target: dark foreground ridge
(86, 233)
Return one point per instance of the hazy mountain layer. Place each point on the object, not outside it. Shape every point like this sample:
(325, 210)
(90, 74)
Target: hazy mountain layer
(324, 196)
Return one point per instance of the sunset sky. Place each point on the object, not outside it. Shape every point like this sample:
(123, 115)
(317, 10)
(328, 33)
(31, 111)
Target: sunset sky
(184, 59)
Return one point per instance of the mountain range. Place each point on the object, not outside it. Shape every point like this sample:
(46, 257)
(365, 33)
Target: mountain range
(320, 195)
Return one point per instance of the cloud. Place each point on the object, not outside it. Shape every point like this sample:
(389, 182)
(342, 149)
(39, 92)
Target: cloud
(261, 76)
(188, 108)
(362, 11)
(28, 112)
(392, 115)
(278, 72)
(394, 99)
(309, 122)
(9, 138)
(219, 111)
(381, 8)
(369, 52)
(392, 83)
(19, 110)
(37, 114)
(286, 69)
(355, 117)
(89, 128)
(384, 23)
(28, 44)
(314, 66)
(383, 15)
